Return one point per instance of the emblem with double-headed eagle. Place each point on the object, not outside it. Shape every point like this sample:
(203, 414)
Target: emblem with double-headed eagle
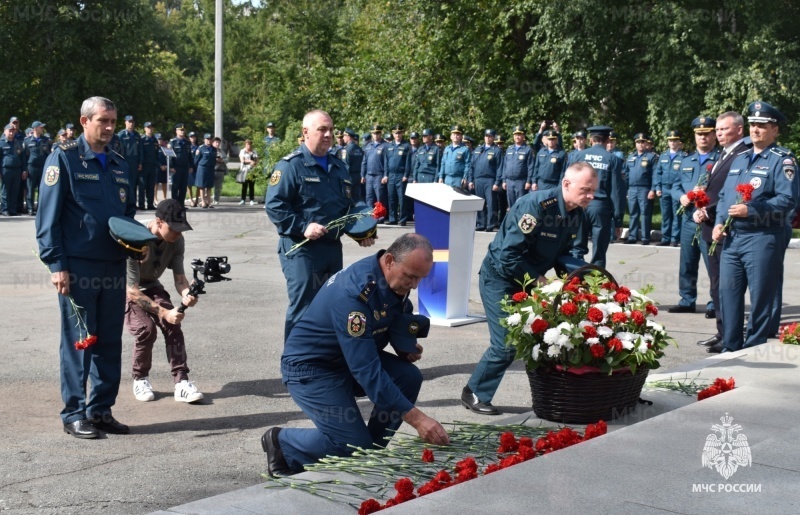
(726, 451)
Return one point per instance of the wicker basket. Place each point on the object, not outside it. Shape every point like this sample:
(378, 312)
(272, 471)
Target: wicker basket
(584, 398)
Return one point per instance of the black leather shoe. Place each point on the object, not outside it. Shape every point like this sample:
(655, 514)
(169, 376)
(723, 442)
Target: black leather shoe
(629, 242)
(470, 401)
(391, 223)
(711, 341)
(682, 309)
(645, 243)
(710, 313)
(109, 424)
(674, 244)
(82, 429)
(662, 244)
(715, 349)
(276, 463)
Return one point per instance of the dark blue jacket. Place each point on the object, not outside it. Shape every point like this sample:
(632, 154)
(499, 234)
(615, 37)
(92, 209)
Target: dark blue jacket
(183, 154)
(518, 163)
(611, 187)
(548, 169)
(485, 164)
(667, 170)
(129, 147)
(397, 159)
(148, 151)
(373, 159)
(427, 160)
(639, 170)
(77, 196)
(36, 151)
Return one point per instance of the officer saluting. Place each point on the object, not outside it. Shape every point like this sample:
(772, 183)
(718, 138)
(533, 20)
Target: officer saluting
(308, 189)
(85, 184)
(483, 177)
(535, 236)
(608, 204)
(336, 353)
(753, 246)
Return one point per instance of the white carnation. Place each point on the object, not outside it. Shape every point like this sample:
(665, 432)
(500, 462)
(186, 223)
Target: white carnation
(626, 336)
(654, 326)
(592, 341)
(536, 352)
(553, 351)
(551, 335)
(514, 319)
(527, 309)
(565, 326)
(553, 287)
(604, 331)
(627, 344)
(584, 323)
(642, 348)
(612, 307)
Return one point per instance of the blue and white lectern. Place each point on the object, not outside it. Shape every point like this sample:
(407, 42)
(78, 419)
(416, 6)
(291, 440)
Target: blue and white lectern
(447, 218)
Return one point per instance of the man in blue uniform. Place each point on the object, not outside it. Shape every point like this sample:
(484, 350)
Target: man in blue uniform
(641, 192)
(130, 141)
(517, 167)
(182, 164)
(396, 172)
(456, 160)
(550, 163)
(12, 163)
(372, 168)
(729, 130)
(308, 189)
(37, 148)
(611, 145)
(535, 237)
(694, 173)
(501, 199)
(148, 155)
(666, 175)
(483, 178)
(578, 145)
(608, 206)
(271, 138)
(84, 184)
(427, 159)
(336, 353)
(753, 245)
(353, 156)
(538, 141)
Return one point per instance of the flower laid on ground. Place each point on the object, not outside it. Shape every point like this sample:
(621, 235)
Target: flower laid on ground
(584, 323)
(475, 450)
(790, 333)
(745, 192)
(378, 211)
(85, 340)
(687, 386)
(719, 386)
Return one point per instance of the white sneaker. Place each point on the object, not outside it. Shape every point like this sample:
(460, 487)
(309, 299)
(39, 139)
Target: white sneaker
(186, 391)
(241, 202)
(252, 202)
(142, 390)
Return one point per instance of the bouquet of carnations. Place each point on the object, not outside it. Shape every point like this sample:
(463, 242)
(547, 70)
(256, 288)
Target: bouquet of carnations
(745, 192)
(584, 324)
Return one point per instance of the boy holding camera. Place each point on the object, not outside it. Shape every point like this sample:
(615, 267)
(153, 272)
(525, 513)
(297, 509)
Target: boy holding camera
(149, 307)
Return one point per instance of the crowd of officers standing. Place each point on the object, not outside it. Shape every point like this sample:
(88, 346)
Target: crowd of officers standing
(193, 170)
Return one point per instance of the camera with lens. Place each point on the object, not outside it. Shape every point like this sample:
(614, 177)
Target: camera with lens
(212, 269)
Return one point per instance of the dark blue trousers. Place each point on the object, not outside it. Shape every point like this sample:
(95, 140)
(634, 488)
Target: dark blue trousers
(515, 189)
(670, 222)
(598, 221)
(99, 288)
(640, 208)
(691, 251)
(489, 372)
(487, 217)
(329, 400)
(147, 185)
(306, 270)
(397, 193)
(12, 180)
(749, 260)
(34, 178)
(179, 182)
(356, 187)
(376, 192)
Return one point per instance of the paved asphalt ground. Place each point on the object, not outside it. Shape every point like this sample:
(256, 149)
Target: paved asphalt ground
(177, 453)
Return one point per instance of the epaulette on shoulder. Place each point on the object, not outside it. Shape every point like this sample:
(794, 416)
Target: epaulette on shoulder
(290, 155)
(366, 293)
(781, 151)
(548, 202)
(68, 145)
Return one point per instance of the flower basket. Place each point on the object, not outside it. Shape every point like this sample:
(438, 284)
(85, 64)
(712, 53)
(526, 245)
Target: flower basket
(588, 344)
(566, 397)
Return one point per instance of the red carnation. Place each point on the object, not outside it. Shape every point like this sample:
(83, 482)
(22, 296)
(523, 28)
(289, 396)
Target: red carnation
(597, 351)
(404, 486)
(615, 344)
(494, 467)
(369, 506)
(594, 315)
(621, 297)
(638, 317)
(619, 318)
(701, 200)
(86, 342)
(708, 392)
(442, 477)
(725, 384)
(568, 309)
(519, 296)
(379, 211)
(652, 309)
(510, 461)
(526, 453)
(466, 469)
(746, 191)
(592, 298)
(526, 441)
(709, 167)
(539, 326)
(595, 430)
(691, 195)
(389, 504)
(508, 443)
(427, 456)
(609, 286)
(589, 332)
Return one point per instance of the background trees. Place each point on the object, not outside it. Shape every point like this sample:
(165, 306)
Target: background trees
(640, 65)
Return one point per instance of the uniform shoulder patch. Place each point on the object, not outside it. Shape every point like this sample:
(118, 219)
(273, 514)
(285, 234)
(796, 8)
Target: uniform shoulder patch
(548, 202)
(68, 145)
(527, 223)
(356, 323)
(290, 155)
(367, 291)
(275, 178)
(781, 151)
(51, 175)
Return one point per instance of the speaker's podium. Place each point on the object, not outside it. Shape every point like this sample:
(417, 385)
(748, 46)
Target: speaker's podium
(447, 218)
